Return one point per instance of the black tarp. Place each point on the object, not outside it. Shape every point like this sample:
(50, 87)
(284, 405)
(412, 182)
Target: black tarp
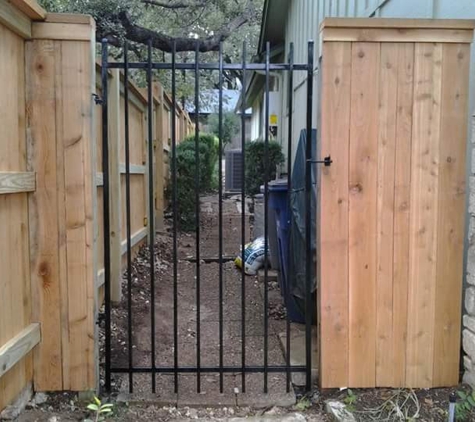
(297, 249)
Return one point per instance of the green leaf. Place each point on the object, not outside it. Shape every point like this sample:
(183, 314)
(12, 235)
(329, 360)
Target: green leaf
(105, 410)
(98, 402)
(93, 407)
(462, 395)
(471, 401)
(107, 405)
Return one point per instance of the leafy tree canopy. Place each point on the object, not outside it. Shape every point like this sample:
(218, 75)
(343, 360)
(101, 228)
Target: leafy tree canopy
(181, 22)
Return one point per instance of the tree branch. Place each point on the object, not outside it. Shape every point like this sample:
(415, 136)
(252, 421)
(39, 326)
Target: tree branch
(139, 34)
(178, 5)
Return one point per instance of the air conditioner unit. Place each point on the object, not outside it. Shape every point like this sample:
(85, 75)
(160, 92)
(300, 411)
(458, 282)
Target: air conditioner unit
(233, 171)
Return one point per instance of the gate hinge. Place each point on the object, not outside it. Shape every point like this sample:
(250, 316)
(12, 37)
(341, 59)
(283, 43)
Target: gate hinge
(327, 161)
(97, 99)
(145, 221)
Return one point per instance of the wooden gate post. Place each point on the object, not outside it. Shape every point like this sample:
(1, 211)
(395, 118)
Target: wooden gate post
(61, 149)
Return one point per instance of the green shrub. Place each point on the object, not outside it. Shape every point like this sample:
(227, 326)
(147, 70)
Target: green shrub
(186, 168)
(255, 164)
(230, 126)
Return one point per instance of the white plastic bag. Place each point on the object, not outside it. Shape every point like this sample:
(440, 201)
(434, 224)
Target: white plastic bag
(254, 256)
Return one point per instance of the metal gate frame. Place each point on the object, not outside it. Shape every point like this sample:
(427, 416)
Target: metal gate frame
(149, 66)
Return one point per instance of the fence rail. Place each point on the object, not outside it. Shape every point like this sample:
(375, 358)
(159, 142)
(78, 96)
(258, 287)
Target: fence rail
(138, 166)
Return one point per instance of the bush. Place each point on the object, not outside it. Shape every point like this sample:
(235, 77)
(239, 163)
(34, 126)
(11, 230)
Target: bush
(255, 164)
(230, 126)
(186, 167)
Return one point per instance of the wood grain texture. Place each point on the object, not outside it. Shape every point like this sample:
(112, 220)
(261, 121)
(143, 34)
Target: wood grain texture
(18, 347)
(333, 263)
(423, 222)
(60, 31)
(114, 185)
(70, 18)
(402, 198)
(363, 168)
(15, 296)
(451, 208)
(398, 23)
(17, 182)
(388, 35)
(386, 148)
(75, 57)
(43, 212)
(13, 19)
(30, 8)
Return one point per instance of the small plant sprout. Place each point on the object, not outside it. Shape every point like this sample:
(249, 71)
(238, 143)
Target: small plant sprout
(350, 400)
(465, 406)
(100, 410)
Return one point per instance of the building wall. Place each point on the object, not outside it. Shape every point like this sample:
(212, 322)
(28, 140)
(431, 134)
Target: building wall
(305, 17)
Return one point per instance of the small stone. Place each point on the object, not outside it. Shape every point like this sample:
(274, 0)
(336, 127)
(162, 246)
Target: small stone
(468, 342)
(469, 378)
(338, 411)
(273, 411)
(471, 203)
(467, 363)
(470, 300)
(53, 419)
(40, 398)
(469, 322)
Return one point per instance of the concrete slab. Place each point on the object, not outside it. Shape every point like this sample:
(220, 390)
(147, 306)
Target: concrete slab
(276, 396)
(297, 351)
(142, 390)
(209, 395)
(272, 275)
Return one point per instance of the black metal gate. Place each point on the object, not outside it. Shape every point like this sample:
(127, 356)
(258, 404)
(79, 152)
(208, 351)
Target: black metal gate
(149, 67)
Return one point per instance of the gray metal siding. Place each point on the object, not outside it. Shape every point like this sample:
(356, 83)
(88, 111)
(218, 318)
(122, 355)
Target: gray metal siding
(304, 19)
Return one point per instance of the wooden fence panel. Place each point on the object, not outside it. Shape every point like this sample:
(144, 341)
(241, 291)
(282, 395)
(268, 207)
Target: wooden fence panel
(63, 209)
(405, 141)
(15, 296)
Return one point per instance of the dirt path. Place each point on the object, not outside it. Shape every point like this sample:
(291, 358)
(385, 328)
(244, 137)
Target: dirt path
(209, 320)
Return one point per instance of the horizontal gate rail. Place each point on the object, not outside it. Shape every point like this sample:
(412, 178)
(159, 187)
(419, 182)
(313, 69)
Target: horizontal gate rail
(210, 66)
(210, 369)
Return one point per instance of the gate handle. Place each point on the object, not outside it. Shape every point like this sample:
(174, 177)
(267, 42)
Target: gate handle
(327, 161)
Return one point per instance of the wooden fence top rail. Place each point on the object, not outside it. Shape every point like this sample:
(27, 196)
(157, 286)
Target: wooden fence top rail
(398, 23)
(30, 8)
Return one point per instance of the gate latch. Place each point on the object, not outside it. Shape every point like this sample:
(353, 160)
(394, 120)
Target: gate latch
(327, 161)
(97, 99)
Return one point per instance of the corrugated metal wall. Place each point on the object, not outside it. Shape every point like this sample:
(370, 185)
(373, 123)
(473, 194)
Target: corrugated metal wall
(305, 17)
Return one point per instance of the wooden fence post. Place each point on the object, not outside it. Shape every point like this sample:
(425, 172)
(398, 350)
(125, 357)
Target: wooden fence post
(114, 185)
(60, 82)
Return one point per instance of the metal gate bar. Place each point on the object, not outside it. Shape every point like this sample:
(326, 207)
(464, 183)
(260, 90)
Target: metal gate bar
(308, 221)
(128, 213)
(243, 220)
(149, 67)
(175, 225)
(220, 221)
(197, 218)
(290, 101)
